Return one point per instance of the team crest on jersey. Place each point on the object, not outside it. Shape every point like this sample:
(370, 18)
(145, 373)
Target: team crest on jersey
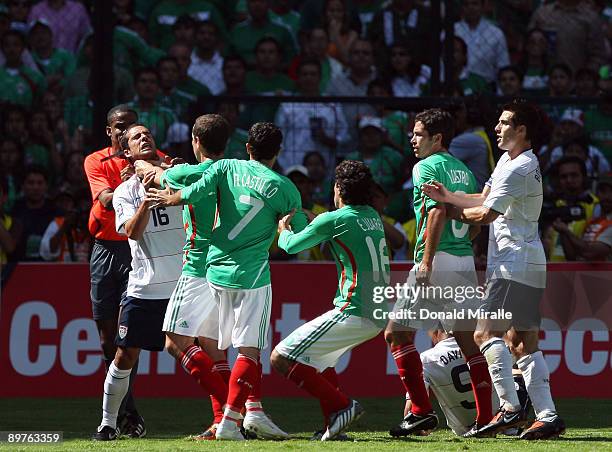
(122, 331)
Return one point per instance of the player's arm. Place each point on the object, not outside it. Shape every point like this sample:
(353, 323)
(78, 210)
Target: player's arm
(436, 220)
(129, 219)
(98, 183)
(147, 169)
(438, 192)
(188, 195)
(320, 230)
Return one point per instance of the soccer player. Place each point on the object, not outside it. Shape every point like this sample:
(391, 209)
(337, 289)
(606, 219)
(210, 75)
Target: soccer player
(192, 311)
(250, 199)
(155, 237)
(516, 271)
(357, 239)
(110, 256)
(443, 259)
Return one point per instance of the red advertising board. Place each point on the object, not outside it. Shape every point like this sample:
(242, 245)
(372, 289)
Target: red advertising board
(49, 345)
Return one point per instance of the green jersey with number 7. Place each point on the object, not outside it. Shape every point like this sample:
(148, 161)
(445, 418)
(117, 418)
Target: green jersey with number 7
(456, 177)
(251, 198)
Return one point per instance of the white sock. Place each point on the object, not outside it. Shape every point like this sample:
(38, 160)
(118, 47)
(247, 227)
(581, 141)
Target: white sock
(499, 360)
(537, 380)
(115, 388)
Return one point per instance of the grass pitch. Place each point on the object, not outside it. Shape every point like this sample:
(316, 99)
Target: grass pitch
(171, 421)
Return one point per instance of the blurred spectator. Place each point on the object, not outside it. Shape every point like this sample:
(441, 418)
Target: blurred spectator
(587, 83)
(178, 143)
(74, 179)
(469, 82)
(598, 125)
(34, 212)
(385, 163)
(77, 84)
(67, 238)
(396, 123)
(366, 10)
(282, 12)
(184, 30)
(401, 20)
(170, 97)
(572, 204)
(68, 20)
(167, 12)
(394, 233)
(140, 27)
(151, 113)
(312, 11)
(320, 179)
(595, 243)
(509, 81)
(472, 145)
(182, 54)
(41, 145)
(20, 84)
(57, 65)
(11, 162)
(337, 25)
(486, 43)
(53, 108)
(10, 229)
(560, 81)
(594, 160)
(534, 64)
(245, 35)
(355, 82)
(206, 62)
(131, 51)
(234, 75)
(574, 31)
(308, 126)
(18, 11)
(123, 10)
(236, 145)
(408, 75)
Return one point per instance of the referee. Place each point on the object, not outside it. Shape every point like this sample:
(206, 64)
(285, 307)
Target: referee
(110, 262)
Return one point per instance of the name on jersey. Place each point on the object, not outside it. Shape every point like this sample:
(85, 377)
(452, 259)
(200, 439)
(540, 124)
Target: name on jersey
(259, 184)
(459, 177)
(450, 357)
(370, 224)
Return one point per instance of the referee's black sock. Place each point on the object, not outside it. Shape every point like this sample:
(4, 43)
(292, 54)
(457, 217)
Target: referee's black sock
(128, 405)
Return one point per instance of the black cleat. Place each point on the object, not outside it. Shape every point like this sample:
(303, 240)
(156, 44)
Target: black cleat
(473, 432)
(503, 420)
(134, 425)
(316, 436)
(105, 433)
(544, 429)
(414, 425)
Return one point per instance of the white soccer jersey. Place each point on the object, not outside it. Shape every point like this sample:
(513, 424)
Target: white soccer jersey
(156, 257)
(447, 375)
(515, 250)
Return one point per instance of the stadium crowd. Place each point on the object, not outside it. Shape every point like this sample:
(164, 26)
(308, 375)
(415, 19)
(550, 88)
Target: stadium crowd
(172, 57)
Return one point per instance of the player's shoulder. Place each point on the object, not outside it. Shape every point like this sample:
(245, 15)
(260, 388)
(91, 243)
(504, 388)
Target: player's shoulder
(522, 165)
(128, 189)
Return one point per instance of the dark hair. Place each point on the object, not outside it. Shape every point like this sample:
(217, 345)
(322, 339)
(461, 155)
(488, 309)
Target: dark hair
(524, 62)
(562, 67)
(527, 114)
(511, 68)
(414, 66)
(308, 61)
(569, 161)
(383, 83)
(36, 169)
(119, 110)
(123, 139)
(354, 181)
(265, 140)
(345, 27)
(266, 39)
(184, 19)
(436, 120)
(213, 131)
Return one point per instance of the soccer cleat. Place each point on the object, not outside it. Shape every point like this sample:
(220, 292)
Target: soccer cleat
(473, 432)
(340, 420)
(259, 423)
(414, 425)
(229, 430)
(503, 420)
(105, 433)
(134, 425)
(207, 435)
(544, 429)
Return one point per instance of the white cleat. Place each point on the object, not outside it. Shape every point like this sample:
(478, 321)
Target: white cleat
(259, 423)
(340, 420)
(229, 430)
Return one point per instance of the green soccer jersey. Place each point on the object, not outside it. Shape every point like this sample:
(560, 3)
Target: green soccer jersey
(357, 239)
(131, 52)
(456, 177)
(60, 62)
(251, 198)
(244, 37)
(199, 219)
(21, 86)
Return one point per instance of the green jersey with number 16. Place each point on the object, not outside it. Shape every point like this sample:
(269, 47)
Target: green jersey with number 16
(250, 199)
(456, 177)
(357, 240)
(198, 219)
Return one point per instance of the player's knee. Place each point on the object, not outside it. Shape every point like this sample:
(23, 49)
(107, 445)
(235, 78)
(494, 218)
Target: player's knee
(279, 362)
(126, 358)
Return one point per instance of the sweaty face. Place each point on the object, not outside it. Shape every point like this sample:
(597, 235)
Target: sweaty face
(422, 143)
(119, 123)
(141, 145)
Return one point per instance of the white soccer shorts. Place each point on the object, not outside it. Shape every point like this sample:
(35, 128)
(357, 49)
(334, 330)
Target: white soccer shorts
(244, 316)
(321, 342)
(192, 310)
(447, 293)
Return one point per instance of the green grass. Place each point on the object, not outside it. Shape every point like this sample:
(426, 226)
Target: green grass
(171, 421)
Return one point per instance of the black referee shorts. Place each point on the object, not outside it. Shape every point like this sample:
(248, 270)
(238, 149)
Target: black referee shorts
(521, 300)
(110, 266)
(141, 324)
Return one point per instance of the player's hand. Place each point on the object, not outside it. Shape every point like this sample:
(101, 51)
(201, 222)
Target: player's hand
(127, 172)
(284, 224)
(142, 167)
(163, 198)
(148, 179)
(435, 190)
(560, 226)
(423, 273)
